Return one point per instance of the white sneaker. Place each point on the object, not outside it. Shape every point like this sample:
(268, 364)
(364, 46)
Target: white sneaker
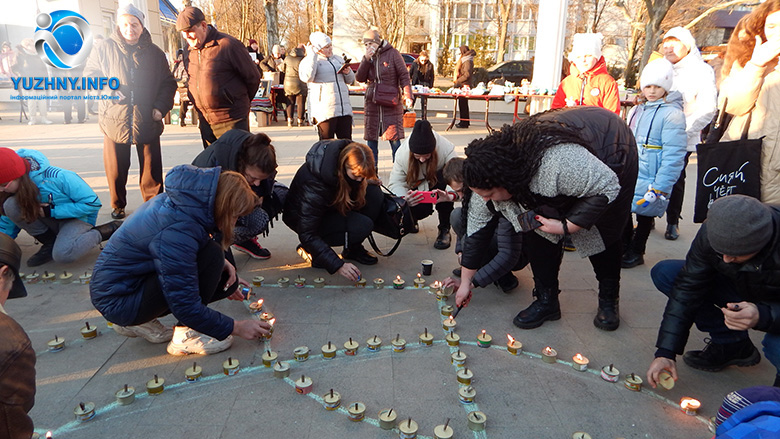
(153, 331)
(46, 121)
(189, 341)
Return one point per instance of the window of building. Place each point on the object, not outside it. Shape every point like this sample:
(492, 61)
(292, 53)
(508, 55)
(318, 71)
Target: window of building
(531, 43)
(476, 12)
(490, 13)
(462, 10)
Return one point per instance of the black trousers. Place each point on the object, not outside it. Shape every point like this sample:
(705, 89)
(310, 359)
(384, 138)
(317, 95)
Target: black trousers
(674, 209)
(211, 284)
(356, 225)
(116, 160)
(636, 239)
(296, 101)
(336, 127)
(463, 109)
(444, 210)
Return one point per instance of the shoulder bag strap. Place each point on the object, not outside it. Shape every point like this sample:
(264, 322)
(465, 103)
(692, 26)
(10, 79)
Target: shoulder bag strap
(372, 241)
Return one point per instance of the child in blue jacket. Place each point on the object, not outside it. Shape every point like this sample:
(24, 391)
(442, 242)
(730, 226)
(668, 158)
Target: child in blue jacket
(659, 128)
(53, 205)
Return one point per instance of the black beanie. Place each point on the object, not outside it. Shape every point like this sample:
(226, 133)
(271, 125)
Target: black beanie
(422, 140)
(738, 225)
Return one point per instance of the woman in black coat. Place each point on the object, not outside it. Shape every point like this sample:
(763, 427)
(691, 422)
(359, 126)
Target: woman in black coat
(331, 203)
(422, 70)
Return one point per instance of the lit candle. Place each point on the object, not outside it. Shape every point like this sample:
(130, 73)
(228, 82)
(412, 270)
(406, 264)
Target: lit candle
(270, 330)
(361, 283)
(610, 373)
(57, 344)
(351, 347)
(665, 380)
(407, 429)
(85, 278)
(84, 411)
(230, 366)
(281, 369)
(379, 283)
(88, 331)
(258, 281)
(301, 353)
(633, 382)
(426, 338)
(33, 278)
(65, 277)
(458, 358)
(155, 386)
(580, 362)
(269, 358)
(266, 316)
(453, 339)
(464, 376)
(387, 419)
(47, 277)
(513, 346)
(690, 406)
(398, 283)
(256, 307)
(356, 411)
(303, 385)
(449, 324)
(329, 351)
(443, 431)
(125, 395)
(399, 344)
(374, 343)
(549, 355)
(193, 374)
(300, 282)
(484, 339)
(477, 421)
(331, 400)
(446, 310)
(283, 282)
(419, 282)
(319, 282)
(435, 287)
(467, 394)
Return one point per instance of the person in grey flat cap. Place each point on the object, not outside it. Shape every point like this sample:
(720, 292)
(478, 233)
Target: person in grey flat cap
(733, 263)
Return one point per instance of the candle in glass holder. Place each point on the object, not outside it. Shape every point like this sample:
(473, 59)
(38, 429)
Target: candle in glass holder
(399, 344)
(580, 362)
(258, 281)
(84, 411)
(85, 278)
(33, 278)
(467, 394)
(633, 382)
(398, 283)
(57, 344)
(256, 307)
(484, 339)
(194, 373)
(65, 277)
(690, 406)
(269, 358)
(281, 369)
(319, 282)
(449, 324)
(301, 353)
(452, 339)
(374, 343)
(379, 283)
(476, 420)
(331, 400)
(446, 310)
(443, 431)
(513, 346)
(549, 355)
(407, 429)
(283, 282)
(387, 419)
(47, 277)
(329, 351)
(458, 358)
(610, 373)
(299, 282)
(303, 385)
(351, 347)
(155, 386)
(88, 331)
(419, 282)
(426, 338)
(125, 395)
(435, 287)
(361, 283)
(230, 366)
(464, 376)
(356, 411)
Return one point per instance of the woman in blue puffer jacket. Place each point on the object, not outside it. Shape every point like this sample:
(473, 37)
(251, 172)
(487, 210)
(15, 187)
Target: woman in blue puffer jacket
(659, 127)
(169, 257)
(53, 205)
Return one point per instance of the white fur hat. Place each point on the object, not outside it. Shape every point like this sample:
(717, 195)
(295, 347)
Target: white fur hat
(319, 40)
(586, 44)
(659, 72)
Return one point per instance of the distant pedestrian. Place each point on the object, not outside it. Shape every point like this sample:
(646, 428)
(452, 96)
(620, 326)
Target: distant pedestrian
(464, 79)
(29, 65)
(589, 82)
(421, 72)
(294, 88)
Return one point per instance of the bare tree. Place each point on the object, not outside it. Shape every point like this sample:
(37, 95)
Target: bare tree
(503, 15)
(272, 22)
(388, 16)
(243, 19)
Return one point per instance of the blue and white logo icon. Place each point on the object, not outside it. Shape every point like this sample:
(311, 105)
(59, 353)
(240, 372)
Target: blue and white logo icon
(63, 39)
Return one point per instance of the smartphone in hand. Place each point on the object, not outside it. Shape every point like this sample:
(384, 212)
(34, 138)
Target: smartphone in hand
(528, 221)
(428, 197)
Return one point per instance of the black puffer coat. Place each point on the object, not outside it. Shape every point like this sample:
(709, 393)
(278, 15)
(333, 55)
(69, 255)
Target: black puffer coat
(312, 192)
(145, 82)
(756, 281)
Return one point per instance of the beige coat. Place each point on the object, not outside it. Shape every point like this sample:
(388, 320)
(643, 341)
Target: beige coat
(757, 88)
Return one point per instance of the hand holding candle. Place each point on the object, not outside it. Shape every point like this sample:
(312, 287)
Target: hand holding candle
(661, 364)
(740, 316)
(251, 329)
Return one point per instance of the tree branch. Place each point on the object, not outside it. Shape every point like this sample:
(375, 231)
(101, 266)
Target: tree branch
(713, 9)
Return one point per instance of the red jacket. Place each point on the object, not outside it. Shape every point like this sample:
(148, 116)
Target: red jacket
(594, 87)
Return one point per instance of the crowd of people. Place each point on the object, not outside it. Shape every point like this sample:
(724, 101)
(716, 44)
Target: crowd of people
(578, 171)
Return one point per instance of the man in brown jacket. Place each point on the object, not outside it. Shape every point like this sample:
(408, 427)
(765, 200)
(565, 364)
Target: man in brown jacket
(223, 78)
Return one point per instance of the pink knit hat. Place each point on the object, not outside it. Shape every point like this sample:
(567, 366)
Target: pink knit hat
(11, 165)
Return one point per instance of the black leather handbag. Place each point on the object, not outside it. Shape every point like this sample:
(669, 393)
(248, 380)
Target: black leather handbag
(395, 221)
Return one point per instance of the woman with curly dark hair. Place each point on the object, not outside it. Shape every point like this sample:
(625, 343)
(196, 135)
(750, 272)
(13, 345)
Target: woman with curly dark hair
(564, 172)
(752, 87)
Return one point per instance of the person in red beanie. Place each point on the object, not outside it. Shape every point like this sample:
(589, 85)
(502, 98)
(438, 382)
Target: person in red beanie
(53, 205)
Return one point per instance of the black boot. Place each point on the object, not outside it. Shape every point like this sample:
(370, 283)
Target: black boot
(107, 229)
(444, 239)
(718, 356)
(43, 255)
(607, 317)
(507, 282)
(632, 259)
(545, 307)
(359, 254)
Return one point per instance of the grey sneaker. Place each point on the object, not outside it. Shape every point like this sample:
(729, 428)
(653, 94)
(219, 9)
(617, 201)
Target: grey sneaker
(189, 341)
(152, 331)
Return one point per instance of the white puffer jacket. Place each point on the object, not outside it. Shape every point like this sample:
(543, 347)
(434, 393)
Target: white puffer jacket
(695, 80)
(328, 93)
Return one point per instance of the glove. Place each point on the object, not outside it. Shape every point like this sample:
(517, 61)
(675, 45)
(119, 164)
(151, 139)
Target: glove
(651, 196)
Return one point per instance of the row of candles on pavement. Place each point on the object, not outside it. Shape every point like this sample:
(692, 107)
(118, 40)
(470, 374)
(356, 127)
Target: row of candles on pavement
(319, 282)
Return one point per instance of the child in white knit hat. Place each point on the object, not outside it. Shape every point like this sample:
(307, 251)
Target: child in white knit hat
(658, 123)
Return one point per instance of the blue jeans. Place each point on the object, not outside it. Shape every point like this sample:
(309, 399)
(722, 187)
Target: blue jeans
(708, 318)
(374, 145)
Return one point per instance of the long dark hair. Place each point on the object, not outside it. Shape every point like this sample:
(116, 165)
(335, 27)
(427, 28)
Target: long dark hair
(510, 158)
(430, 170)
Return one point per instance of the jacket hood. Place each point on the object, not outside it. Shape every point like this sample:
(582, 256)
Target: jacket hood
(38, 162)
(673, 98)
(193, 190)
(323, 158)
(385, 46)
(226, 148)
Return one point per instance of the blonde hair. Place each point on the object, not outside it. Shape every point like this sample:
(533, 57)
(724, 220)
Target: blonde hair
(360, 160)
(234, 199)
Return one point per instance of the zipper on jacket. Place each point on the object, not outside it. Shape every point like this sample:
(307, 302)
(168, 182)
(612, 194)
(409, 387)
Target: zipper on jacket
(132, 98)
